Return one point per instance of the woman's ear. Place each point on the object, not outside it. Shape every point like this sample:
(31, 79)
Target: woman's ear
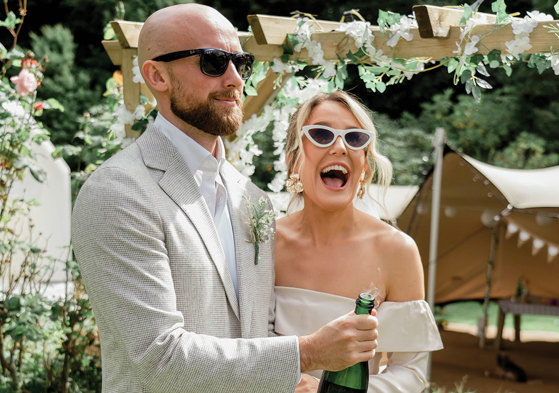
(156, 76)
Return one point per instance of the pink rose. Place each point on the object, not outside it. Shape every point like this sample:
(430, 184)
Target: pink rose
(38, 106)
(25, 82)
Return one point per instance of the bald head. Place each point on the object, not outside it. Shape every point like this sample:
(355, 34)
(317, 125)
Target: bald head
(184, 26)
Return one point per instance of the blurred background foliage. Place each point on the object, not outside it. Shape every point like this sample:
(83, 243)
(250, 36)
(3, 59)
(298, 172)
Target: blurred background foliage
(515, 125)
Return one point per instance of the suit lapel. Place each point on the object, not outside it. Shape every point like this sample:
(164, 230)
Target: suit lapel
(244, 250)
(179, 184)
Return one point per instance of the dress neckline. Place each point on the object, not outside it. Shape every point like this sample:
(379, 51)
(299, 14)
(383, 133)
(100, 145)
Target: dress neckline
(303, 290)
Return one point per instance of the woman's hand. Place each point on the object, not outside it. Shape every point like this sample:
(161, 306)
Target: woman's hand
(307, 384)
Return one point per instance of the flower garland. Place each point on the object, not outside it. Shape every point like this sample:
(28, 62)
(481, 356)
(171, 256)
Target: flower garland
(377, 70)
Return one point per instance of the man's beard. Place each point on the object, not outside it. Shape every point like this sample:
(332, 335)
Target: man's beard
(206, 116)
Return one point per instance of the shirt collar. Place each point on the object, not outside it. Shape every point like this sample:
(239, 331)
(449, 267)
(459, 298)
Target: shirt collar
(192, 153)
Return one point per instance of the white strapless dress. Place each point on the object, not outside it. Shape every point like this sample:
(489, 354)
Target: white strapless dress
(407, 332)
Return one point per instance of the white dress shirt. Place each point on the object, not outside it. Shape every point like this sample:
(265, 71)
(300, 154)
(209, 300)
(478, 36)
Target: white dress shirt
(206, 171)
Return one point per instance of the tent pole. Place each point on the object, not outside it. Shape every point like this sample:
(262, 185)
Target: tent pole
(438, 144)
(490, 266)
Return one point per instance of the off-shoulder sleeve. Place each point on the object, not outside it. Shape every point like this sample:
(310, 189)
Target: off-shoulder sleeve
(407, 327)
(407, 332)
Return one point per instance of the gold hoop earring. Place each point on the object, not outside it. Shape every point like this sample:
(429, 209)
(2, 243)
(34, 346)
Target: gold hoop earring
(361, 191)
(293, 184)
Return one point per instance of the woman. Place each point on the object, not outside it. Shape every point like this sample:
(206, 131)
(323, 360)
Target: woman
(329, 252)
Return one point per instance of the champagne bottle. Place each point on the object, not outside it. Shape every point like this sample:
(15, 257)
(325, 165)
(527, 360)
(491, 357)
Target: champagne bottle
(354, 379)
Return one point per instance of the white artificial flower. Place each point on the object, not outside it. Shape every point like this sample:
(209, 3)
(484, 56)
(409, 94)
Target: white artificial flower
(520, 44)
(280, 67)
(277, 184)
(358, 30)
(471, 46)
(303, 33)
(139, 112)
(124, 116)
(525, 25)
(401, 29)
(458, 49)
(137, 75)
(118, 130)
(555, 63)
(315, 52)
(329, 69)
(540, 16)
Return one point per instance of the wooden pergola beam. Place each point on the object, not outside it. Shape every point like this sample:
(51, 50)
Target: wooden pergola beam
(493, 36)
(272, 30)
(270, 33)
(127, 33)
(435, 22)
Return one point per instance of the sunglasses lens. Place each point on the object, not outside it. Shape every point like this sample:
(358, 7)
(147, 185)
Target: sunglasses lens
(214, 62)
(356, 139)
(243, 64)
(321, 136)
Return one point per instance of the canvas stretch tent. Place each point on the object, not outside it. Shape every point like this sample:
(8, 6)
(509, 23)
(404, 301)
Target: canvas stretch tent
(523, 207)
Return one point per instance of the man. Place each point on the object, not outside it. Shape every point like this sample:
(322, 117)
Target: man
(160, 232)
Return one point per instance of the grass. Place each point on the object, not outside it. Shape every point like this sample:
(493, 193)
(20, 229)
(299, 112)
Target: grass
(468, 313)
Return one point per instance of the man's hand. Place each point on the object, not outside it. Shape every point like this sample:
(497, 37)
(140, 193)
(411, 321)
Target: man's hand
(341, 343)
(307, 384)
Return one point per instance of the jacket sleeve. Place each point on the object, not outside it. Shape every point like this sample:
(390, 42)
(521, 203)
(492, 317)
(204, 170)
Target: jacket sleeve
(121, 249)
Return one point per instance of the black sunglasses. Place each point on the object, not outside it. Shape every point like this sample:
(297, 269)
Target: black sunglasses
(214, 62)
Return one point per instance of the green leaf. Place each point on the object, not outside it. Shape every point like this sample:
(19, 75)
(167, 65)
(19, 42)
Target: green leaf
(352, 57)
(467, 14)
(542, 64)
(500, 8)
(371, 85)
(475, 59)
(494, 58)
(11, 21)
(250, 90)
(109, 33)
(287, 50)
(556, 7)
(13, 303)
(360, 53)
(466, 76)
(368, 77)
(38, 174)
(52, 103)
(476, 92)
(381, 87)
(342, 72)
(508, 69)
(483, 84)
(377, 70)
(451, 65)
(292, 40)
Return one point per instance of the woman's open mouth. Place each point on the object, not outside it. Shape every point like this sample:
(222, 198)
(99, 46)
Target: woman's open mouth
(334, 176)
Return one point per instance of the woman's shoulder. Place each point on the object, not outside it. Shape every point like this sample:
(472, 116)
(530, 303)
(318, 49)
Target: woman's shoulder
(389, 237)
(399, 259)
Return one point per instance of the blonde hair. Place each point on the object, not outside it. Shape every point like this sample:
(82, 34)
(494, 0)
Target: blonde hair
(379, 165)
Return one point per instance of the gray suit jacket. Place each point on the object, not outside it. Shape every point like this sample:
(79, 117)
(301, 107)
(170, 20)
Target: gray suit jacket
(161, 291)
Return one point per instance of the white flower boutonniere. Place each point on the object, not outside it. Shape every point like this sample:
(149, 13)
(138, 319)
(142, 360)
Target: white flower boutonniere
(261, 224)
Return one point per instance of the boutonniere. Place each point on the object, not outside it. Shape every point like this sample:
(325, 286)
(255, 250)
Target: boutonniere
(261, 221)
